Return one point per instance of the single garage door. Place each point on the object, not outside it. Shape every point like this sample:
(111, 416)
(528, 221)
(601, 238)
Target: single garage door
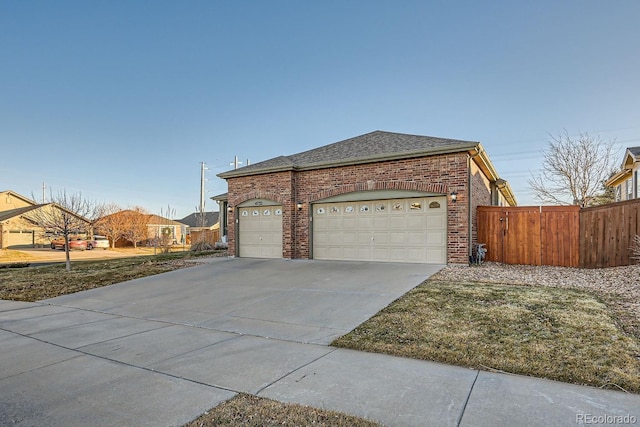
(20, 239)
(260, 232)
(396, 230)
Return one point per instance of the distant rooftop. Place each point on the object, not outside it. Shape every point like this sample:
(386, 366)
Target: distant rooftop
(193, 220)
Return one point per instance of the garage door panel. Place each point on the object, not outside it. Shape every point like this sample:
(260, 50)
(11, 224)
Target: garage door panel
(260, 232)
(435, 238)
(436, 256)
(397, 222)
(402, 230)
(349, 223)
(436, 222)
(364, 222)
(380, 238)
(364, 238)
(416, 239)
(398, 239)
(417, 255)
(416, 222)
(349, 252)
(381, 222)
(336, 237)
(350, 238)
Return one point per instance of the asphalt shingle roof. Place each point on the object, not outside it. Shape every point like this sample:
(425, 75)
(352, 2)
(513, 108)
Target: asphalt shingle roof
(370, 147)
(16, 212)
(193, 220)
(635, 151)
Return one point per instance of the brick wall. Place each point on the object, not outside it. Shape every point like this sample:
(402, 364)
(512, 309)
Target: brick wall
(439, 174)
(480, 196)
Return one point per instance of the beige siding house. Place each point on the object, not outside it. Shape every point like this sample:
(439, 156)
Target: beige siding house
(626, 181)
(17, 230)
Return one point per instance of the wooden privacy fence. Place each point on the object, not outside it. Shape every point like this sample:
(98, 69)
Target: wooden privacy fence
(533, 235)
(560, 235)
(606, 233)
(205, 235)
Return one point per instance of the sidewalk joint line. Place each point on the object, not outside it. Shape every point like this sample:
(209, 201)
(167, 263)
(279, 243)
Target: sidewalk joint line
(466, 401)
(332, 349)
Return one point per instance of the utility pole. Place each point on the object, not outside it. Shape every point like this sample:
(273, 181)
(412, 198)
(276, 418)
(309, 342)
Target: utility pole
(235, 163)
(44, 191)
(202, 191)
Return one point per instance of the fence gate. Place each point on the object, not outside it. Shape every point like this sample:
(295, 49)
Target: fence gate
(530, 235)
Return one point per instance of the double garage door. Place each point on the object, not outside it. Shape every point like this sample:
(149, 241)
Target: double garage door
(396, 230)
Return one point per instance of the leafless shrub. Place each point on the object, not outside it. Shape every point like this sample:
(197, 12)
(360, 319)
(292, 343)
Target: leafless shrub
(202, 246)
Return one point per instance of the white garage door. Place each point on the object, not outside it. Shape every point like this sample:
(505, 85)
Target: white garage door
(396, 230)
(20, 239)
(260, 232)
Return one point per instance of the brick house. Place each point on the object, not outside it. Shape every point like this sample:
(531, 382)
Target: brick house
(377, 197)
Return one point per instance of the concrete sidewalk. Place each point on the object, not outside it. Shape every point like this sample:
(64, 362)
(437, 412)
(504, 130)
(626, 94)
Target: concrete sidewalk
(162, 350)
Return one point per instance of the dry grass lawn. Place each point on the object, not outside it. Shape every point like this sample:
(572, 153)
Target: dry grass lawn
(248, 410)
(560, 334)
(38, 283)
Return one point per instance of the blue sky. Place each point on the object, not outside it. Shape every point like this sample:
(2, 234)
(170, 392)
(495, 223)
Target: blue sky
(122, 100)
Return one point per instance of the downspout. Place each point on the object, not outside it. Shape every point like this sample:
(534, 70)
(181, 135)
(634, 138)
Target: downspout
(470, 220)
(469, 204)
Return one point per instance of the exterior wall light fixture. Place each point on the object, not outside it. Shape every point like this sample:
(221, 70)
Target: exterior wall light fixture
(454, 196)
(229, 208)
(299, 206)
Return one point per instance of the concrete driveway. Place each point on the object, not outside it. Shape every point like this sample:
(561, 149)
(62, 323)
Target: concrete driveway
(291, 300)
(163, 349)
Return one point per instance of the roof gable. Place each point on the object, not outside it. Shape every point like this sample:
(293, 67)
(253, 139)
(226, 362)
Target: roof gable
(6, 202)
(372, 147)
(631, 156)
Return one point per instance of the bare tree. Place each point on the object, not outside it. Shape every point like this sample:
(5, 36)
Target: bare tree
(110, 223)
(573, 169)
(67, 214)
(137, 225)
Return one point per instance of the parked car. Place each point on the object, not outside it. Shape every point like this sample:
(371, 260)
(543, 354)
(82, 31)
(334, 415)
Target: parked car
(75, 242)
(98, 242)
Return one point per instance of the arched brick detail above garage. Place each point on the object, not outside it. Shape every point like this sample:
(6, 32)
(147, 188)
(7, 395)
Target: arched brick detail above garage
(379, 185)
(257, 194)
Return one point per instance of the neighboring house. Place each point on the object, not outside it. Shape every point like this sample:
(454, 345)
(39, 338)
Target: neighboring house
(626, 181)
(134, 227)
(377, 197)
(202, 227)
(160, 227)
(17, 230)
